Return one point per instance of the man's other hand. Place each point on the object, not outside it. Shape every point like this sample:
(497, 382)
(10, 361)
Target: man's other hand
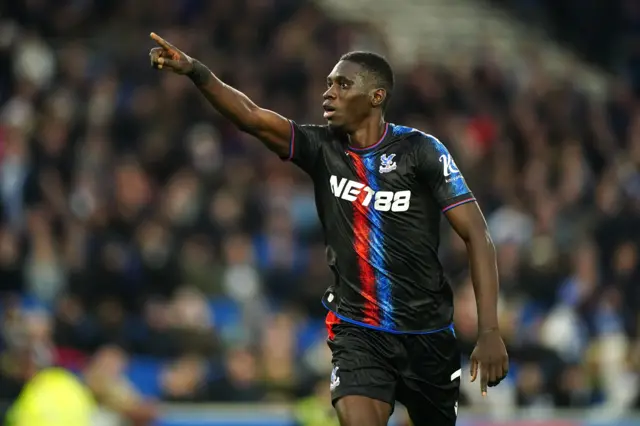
(490, 357)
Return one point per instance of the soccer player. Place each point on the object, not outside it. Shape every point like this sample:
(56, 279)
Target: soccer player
(380, 189)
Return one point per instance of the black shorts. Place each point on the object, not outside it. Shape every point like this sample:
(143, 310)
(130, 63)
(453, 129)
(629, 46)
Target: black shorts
(421, 371)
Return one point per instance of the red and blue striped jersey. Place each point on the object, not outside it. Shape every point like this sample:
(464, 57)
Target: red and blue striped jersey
(380, 209)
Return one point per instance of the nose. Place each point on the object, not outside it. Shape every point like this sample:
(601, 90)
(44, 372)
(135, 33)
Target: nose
(329, 94)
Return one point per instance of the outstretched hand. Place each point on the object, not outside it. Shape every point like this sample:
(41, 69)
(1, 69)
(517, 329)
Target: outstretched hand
(167, 56)
(490, 357)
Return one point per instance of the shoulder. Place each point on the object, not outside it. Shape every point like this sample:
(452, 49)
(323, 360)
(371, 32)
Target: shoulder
(314, 134)
(420, 141)
(404, 132)
(318, 127)
(58, 377)
(321, 129)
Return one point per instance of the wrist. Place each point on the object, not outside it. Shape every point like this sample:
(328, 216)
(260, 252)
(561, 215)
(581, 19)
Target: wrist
(488, 321)
(199, 73)
(487, 330)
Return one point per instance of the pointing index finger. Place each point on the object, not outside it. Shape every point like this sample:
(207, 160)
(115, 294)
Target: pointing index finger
(162, 42)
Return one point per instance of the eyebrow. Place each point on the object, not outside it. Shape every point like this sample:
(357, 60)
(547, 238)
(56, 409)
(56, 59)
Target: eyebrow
(340, 77)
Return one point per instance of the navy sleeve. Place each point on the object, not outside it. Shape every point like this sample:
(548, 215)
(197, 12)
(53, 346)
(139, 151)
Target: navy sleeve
(437, 170)
(306, 145)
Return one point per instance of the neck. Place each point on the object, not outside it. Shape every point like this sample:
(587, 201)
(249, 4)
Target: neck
(368, 134)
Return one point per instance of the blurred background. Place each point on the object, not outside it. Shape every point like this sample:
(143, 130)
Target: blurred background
(160, 268)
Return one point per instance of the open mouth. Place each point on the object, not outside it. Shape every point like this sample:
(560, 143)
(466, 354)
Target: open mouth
(328, 111)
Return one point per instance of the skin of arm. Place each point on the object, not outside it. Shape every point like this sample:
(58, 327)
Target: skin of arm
(271, 128)
(468, 222)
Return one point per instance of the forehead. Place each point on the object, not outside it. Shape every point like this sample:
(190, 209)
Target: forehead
(346, 69)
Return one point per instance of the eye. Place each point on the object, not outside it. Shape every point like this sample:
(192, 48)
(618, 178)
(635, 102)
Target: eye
(344, 85)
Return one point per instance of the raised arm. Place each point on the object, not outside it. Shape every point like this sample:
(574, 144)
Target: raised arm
(271, 128)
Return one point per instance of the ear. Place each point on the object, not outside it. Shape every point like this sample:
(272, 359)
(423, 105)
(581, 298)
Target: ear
(378, 96)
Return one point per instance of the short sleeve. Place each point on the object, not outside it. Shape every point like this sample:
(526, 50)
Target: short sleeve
(305, 145)
(438, 171)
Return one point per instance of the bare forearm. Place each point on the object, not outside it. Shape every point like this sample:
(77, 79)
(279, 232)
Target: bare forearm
(275, 131)
(271, 128)
(231, 103)
(484, 275)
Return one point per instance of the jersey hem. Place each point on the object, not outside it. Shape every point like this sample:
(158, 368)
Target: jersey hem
(387, 330)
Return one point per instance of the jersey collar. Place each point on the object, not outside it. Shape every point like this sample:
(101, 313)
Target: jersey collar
(374, 146)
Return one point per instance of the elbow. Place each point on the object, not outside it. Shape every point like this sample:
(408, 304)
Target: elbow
(488, 240)
(481, 239)
(254, 121)
(249, 121)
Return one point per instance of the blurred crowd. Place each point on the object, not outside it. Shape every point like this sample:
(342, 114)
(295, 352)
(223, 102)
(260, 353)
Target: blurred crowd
(605, 33)
(159, 253)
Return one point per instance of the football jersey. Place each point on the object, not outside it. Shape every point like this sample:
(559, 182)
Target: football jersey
(380, 208)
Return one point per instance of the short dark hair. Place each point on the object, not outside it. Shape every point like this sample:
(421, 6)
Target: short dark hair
(377, 66)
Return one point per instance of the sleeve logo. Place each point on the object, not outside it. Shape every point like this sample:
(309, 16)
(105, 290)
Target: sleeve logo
(448, 165)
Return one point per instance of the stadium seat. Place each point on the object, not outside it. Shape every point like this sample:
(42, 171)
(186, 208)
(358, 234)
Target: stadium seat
(144, 373)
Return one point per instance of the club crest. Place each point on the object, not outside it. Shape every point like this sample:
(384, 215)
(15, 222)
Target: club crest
(387, 164)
